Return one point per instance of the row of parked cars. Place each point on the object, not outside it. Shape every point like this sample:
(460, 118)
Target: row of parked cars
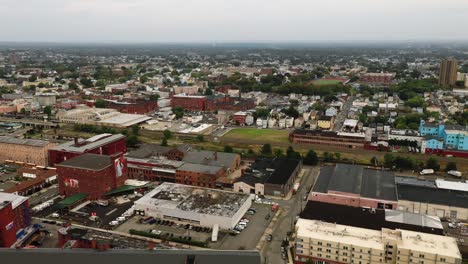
(243, 223)
(155, 221)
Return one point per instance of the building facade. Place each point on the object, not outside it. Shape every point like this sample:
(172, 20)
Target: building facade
(448, 72)
(329, 243)
(25, 150)
(14, 215)
(91, 174)
(103, 144)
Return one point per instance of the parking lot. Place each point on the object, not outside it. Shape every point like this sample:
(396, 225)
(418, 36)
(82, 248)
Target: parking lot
(250, 236)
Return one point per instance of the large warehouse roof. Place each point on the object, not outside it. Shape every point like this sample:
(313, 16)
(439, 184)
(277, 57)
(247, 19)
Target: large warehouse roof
(88, 161)
(356, 179)
(195, 199)
(88, 144)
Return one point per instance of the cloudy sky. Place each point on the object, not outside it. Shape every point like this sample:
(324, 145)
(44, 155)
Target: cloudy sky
(232, 20)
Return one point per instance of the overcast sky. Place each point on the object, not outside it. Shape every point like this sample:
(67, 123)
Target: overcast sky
(232, 20)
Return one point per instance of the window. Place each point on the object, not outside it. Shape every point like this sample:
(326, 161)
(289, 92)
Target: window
(328, 250)
(421, 255)
(319, 249)
(345, 248)
(319, 243)
(443, 260)
(328, 245)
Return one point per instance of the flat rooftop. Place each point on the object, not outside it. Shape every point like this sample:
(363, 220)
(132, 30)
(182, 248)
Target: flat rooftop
(88, 161)
(88, 144)
(195, 199)
(199, 168)
(125, 119)
(422, 242)
(14, 199)
(357, 180)
(26, 142)
(371, 219)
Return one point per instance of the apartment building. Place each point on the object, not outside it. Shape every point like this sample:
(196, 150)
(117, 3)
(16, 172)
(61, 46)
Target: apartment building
(327, 243)
(448, 72)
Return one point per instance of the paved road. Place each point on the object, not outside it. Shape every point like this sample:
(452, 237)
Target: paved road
(343, 114)
(271, 253)
(41, 197)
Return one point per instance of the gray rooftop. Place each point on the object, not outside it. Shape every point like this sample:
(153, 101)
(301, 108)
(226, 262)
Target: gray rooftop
(88, 161)
(211, 158)
(27, 142)
(355, 179)
(199, 168)
(90, 143)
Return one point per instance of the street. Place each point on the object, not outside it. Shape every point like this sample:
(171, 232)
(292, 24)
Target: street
(343, 114)
(271, 252)
(43, 195)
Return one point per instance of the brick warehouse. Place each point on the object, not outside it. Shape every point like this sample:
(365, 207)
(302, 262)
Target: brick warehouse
(134, 106)
(104, 144)
(189, 102)
(14, 215)
(25, 150)
(91, 174)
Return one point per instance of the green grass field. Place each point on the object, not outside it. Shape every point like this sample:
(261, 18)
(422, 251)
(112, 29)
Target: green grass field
(326, 82)
(258, 134)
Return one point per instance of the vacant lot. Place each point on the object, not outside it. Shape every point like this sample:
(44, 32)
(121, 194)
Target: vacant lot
(267, 135)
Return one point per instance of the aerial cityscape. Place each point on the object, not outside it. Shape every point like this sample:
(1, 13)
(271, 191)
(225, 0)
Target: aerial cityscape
(242, 147)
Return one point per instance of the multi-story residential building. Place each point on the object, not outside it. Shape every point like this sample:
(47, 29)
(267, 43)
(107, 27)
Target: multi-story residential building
(453, 137)
(448, 72)
(25, 150)
(329, 243)
(103, 144)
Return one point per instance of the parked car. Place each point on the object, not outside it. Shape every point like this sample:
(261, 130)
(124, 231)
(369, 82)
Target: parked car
(269, 238)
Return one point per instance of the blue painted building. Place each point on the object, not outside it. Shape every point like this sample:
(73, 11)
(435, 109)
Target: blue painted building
(453, 137)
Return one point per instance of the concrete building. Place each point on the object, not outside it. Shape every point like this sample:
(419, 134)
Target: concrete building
(100, 117)
(25, 150)
(437, 198)
(91, 174)
(339, 139)
(200, 206)
(448, 72)
(328, 243)
(103, 144)
(354, 185)
(14, 215)
(266, 176)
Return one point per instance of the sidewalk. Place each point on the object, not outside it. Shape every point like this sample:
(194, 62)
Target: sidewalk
(268, 230)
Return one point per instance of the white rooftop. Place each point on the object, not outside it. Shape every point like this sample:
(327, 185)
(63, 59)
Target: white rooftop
(452, 185)
(16, 200)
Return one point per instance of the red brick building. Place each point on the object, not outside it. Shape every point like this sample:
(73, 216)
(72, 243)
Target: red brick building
(199, 175)
(134, 106)
(377, 78)
(189, 102)
(14, 215)
(104, 144)
(239, 117)
(91, 174)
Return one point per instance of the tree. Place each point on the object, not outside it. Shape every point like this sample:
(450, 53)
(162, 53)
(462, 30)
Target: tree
(178, 111)
(208, 91)
(451, 166)
(338, 156)
(164, 142)
(100, 103)
(200, 138)
(143, 79)
(86, 82)
(388, 160)
(432, 163)
(33, 78)
(132, 141)
(167, 134)
(228, 149)
(48, 110)
(100, 83)
(328, 157)
(291, 154)
(154, 97)
(311, 158)
(266, 149)
(73, 86)
(41, 85)
(135, 130)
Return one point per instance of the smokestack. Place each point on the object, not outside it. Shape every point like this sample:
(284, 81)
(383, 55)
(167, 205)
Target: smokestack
(76, 141)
